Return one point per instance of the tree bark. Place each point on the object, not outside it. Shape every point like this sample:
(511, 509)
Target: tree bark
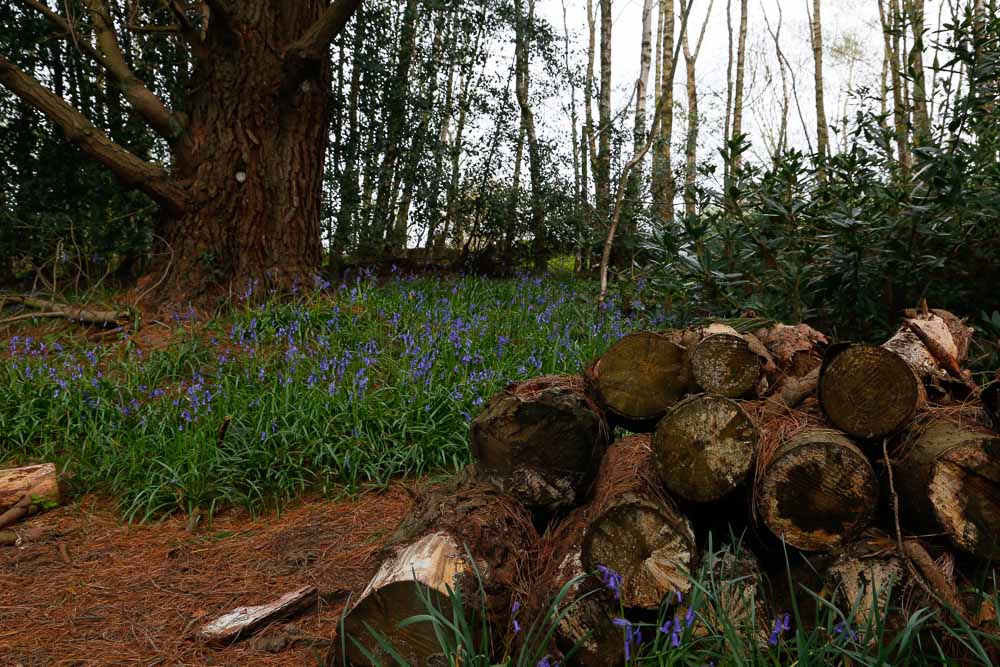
(703, 448)
(602, 169)
(817, 489)
(639, 377)
(430, 553)
(633, 530)
(663, 176)
(540, 441)
(921, 118)
(741, 50)
(691, 151)
(948, 476)
(633, 203)
(822, 133)
(890, 38)
(38, 483)
(871, 392)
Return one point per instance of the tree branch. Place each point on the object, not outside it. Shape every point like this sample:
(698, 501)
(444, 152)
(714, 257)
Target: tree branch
(163, 121)
(309, 49)
(130, 169)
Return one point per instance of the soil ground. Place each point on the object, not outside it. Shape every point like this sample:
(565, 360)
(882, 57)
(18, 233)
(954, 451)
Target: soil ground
(135, 594)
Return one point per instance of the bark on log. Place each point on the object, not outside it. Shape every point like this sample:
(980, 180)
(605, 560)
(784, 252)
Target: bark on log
(589, 609)
(25, 489)
(427, 555)
(870, 392)
(796, 349)
(947, 472)
(639, 377)
(633, 529)
(703, 447)
(817, 490)
(727, 363)
(540, 441)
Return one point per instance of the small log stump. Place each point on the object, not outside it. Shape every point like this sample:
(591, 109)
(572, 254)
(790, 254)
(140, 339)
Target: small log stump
(428, 555)
(703, 447)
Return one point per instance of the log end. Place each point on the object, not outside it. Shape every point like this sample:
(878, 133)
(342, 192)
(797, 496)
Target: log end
(964, 490)
(867, 391)
(723, 364)
(640, 376)
(649, 545)
(703, 448)
(818, 491)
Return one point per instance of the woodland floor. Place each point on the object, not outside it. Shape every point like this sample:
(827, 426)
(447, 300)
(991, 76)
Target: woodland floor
(134, 594)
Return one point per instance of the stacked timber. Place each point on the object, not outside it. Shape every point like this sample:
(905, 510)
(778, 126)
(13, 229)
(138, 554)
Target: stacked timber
(845, 451)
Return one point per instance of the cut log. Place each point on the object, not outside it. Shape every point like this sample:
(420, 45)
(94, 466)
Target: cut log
(867, 391)
(639, 377)
(634, 530)
(589, 609)
(735, 597)
(540, 441)
(947, 472)
(866, 572)
(797, 350)
(817, 490)
(428, 555)
(727, 363)
(703, 447)
(244, 621)
(26, 490)
(870, 392)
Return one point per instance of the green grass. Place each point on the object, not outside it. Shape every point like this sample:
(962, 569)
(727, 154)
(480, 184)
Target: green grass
(341, 387)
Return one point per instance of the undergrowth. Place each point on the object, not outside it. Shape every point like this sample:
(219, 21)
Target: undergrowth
(341, 387)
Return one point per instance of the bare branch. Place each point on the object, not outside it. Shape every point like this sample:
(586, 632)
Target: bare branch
(130, 169)
(312, 46)
(163, 121)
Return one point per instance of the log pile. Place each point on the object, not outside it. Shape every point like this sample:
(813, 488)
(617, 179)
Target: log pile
(846, 451)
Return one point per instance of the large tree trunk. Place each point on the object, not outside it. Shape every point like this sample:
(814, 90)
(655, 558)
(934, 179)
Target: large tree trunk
(430, 553)
(871, 392)
(921, 118)
(251, 160)
(816, 489)
(540, 441)
(947, 474)
(602, 170)
(704, 447)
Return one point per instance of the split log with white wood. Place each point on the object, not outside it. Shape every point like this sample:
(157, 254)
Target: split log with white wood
(466, 537)
(27, 490)
(244, 621)
(703, 447)
(870, 392)
(540, 441)
(947, 473)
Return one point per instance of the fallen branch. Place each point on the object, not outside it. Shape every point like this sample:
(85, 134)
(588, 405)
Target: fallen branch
(244, 621)
(69, 312)
(20, 510)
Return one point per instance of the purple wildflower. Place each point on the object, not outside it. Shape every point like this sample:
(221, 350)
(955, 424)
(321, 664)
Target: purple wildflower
(611, 579)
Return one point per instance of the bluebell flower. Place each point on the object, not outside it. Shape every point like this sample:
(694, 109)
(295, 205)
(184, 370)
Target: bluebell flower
(611, 579)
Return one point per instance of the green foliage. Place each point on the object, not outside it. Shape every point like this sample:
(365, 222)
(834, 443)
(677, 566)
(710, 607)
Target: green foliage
(850, 240)
(338, 388)
(702, 630)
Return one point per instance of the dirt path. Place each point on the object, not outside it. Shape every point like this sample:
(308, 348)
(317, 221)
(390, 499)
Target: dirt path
(131, 595)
